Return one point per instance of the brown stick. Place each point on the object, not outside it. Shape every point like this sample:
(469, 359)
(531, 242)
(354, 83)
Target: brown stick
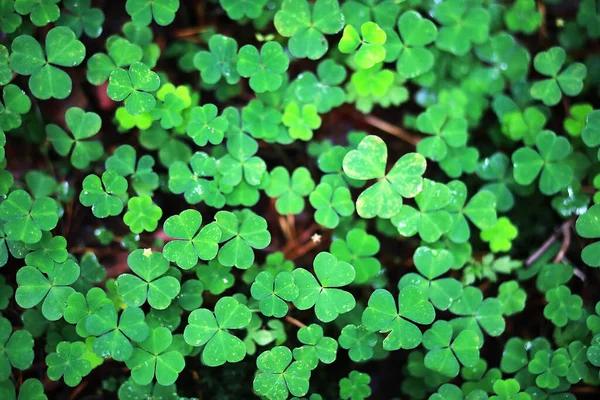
(560, 231)
(566, 234)
(391, 129)
(294, 321)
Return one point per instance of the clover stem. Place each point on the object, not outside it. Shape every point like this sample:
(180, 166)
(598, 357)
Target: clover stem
(566, 241)
(391, 129)
(285, 228)
(566, 234)
(179, 33)
(302, 250)
(542, 10)
(294, 321)
(292, 225)
(78, 389)
(303, 238)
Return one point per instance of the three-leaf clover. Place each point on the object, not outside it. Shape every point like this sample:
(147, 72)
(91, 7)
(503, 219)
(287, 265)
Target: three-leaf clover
(192, 181)
(431, 220)
(476, 313)
(523, 16)
(445, 354)
(416, 33)
(68, 361)
(462, 26)
(82, 125)
(133, 86)
(358, 249)
(355, 386)
(115, 333)
(369, 44)
(265, 69)
(431, 264)
(241, 164)
(47, 81)
(289, 192)
(144, 180)
(359, 342)
(25, 219)
(41, 12)
(82, 18)
(154, 358)
(587, 226)
(306, 23)
(322, 90)
(550, 159)
(16, 349)
(562, 306)
(149, 284)
(242, 233)
(512, 297)
(143, 11)
(210, 330)
(548, 367)
(219, 62)
(121, 53)
(446, 131)
(273, 291)
(192, 243)
(316, 346)
(324, 294)
(384, 198)
(103, 195)
(568, 81)
(382, 315)
(205, 126)
(278, 376)
(508, 389)
(501, 235)
(53, 290)
(331, 204)
(301, 121)
(46, 252)
(238, 9)
(16, 103)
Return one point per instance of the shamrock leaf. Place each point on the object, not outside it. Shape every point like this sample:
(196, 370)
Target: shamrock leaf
(382, 315)
(104, 195)
(265, 69)
(316, 346)
(82, 125)
(68, 361)
(273, 292)
(322, 90)
(384, 198)
(431, 221)
(278, 376)
(369, 44)
(46, 252)
(205, 126)
(508, 389)
(114, 335)
(289, 192)
(550, 159)
(445, 354)
(40, 12)
(359, 341)
(149, 284)
(81, 17)
(480, 210)
(121, 53)
(562, 306)
(153, 358)
(53, 290)
(446, 131)
(28, 58)
(568, 81)
(241, 164)
(523, 16)
(306, 24)
(142, 214)
(219, 62)
(174, 100)
(587, 227)
(323, 294)
(211, 330)
(358, 249)
(495, 170)
(215, 277)
(501, 235)
(261, 121)
(462, 26)
(17, 349)
(476, 313)
(548, 368)
(416, 33)
(16, 103)
(24, 219)
(193, 243)
(431, 264)
(133, 86)
(192, 181)
(331, 204)
(237, 9)
(122, 161)
(591, 132)
(9, 19)
(242, 232)
(143, 11)
(355, 386)
(301, 122)
(78, 308)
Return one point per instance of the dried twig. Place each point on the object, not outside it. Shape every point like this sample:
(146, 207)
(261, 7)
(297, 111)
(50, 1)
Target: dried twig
(391, 129)
(294, 321)
(566, 235)
(562, 230)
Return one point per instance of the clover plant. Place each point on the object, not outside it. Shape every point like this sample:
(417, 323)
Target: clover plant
(299, 199)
